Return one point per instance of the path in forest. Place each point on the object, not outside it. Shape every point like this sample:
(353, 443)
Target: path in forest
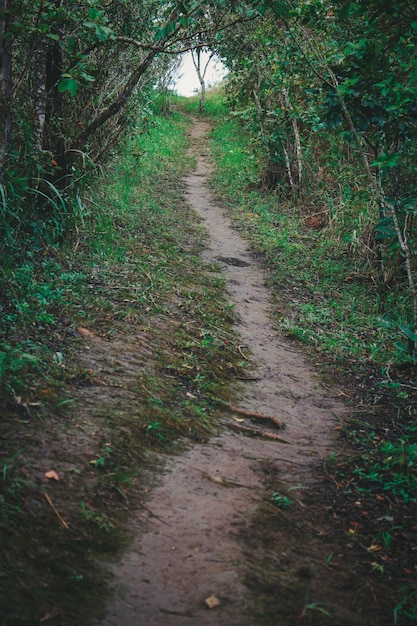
(191, 547)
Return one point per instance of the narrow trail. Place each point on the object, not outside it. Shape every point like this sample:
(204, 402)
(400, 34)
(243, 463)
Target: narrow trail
(191, 549)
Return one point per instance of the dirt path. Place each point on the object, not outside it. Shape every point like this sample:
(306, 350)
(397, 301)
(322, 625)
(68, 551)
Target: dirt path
(198, 517)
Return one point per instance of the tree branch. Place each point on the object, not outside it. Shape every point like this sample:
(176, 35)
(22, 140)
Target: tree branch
(117, 105)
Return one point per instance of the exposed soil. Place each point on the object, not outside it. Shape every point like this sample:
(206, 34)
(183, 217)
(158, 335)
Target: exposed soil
(216, 549)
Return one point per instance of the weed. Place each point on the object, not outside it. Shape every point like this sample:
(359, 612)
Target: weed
(316, 608)
(98, 518)
(282, 502)
(313, 607)
(102, 460)
(407, 606)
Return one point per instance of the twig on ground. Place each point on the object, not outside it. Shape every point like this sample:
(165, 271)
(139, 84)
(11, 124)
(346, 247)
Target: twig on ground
(227, 482)
(179, 613)
(256, 415)
(259, 433)
(152, 513)
(53, 507)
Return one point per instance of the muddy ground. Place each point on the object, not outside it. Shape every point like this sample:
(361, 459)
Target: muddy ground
(240, 528)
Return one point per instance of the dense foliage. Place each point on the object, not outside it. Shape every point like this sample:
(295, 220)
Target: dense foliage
(66, 76)
(327, 90)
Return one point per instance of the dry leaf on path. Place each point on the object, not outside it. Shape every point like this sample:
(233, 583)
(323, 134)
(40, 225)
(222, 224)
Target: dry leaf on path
(50, 615)
(217, 479)
(84, 332)
(52, 475)
(211, 602)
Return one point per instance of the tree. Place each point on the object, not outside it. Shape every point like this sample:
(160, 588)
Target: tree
(201, 69)
(6, 49)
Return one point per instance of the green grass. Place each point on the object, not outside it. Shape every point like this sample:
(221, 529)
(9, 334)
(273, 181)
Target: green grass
(215, 106)
(132, 273)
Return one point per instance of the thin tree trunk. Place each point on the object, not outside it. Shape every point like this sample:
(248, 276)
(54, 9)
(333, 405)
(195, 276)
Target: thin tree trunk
(259, 111)
(40, 96)
(288, 164)
(296, 137)
(54, 137)
(201, 73)
(203, 96)
(6, 45)
(120, 102)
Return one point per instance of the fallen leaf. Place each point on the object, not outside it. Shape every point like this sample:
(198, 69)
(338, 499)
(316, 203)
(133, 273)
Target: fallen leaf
(211, 602)
(50, 615)
(84, 332)
(52, 475)
(216, 479)
(239, 419)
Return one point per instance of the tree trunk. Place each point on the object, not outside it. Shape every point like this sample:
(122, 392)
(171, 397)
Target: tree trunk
(6, 44)
(54, 137)
(201, 73)
(40, 94)
(203, 96)
(296, 137)
(117, 105)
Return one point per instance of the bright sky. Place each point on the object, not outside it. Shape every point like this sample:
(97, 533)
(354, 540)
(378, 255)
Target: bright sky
(187, 81)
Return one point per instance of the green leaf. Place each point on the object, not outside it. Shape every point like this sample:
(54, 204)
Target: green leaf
(385, 234)
(87, 77)
(401, 347)
(160, 34)
(387, 160)
(68, 84)
(408, 333)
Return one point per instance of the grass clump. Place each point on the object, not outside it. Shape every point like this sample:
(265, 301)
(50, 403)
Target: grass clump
(215, 104)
